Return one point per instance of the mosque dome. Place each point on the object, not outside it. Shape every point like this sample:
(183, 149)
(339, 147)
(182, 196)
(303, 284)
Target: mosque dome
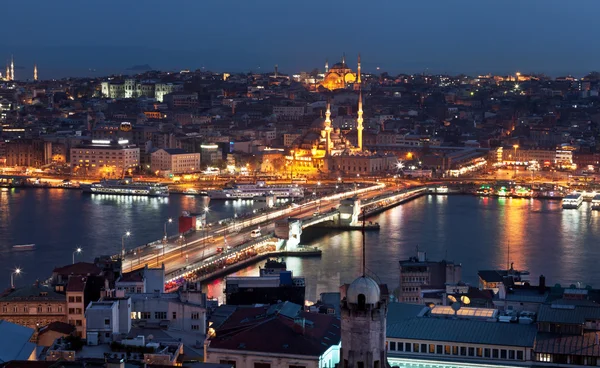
(341, 65)
(363, 286)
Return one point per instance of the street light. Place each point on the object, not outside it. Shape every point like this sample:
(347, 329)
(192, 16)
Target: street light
(515, 147)
(78, 250)
(170, 220)
(17, 271)
(127, 234)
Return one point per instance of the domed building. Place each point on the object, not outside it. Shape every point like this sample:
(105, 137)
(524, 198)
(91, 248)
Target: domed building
(340, 75)
(364, 307)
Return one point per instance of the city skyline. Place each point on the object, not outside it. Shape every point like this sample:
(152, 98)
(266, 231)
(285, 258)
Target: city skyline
(469, 38)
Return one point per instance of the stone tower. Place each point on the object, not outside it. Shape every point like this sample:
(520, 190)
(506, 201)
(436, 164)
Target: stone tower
(364, 308)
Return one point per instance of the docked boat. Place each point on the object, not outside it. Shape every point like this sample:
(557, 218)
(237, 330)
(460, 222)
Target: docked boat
(23, 247)
(127, 187)
(573, 200)
(596, 202)
(260, 189)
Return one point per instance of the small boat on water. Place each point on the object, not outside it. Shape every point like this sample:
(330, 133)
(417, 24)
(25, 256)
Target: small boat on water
(24, 247)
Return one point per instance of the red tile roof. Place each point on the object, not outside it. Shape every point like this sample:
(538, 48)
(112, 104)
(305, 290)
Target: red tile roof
(134, 276)
(285, 336)
(76, 283)
(79, 268)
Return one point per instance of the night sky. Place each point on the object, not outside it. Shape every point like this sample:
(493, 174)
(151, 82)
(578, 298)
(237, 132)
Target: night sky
(471, 36)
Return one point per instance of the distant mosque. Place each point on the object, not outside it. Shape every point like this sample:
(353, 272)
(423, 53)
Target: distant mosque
(340, 76)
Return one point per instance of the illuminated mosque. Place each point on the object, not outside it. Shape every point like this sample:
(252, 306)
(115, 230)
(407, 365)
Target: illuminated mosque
(340, 75)
(324, 149)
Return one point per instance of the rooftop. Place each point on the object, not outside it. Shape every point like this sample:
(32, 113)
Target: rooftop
(411, 323)
(568, 313)
(14, 340)
(79, 268)
(33, 292)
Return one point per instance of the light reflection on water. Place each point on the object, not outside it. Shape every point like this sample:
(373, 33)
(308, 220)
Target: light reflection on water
(59, 220)
(477, 232)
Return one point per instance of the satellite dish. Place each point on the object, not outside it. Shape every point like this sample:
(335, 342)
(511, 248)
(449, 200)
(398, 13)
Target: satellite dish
(452, 298)
(456, 306)
(465, 300)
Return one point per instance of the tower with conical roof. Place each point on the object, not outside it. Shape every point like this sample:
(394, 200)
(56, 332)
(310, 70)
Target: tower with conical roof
(359, 122)
(363, 321)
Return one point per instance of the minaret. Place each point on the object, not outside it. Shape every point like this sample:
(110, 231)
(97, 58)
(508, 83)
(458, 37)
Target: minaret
(344, 58)
(358, 71)
(326, 66)
(359, 122)
(35, 75)
(12, 68)
(328, 128)
(7, 76)
(276, 71)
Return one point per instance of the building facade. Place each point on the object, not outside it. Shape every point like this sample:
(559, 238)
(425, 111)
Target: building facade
(174, 161)
(104, 158)
(33, 306)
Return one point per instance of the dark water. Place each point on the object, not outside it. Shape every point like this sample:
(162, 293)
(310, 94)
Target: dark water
(58, 221)
(564, 245)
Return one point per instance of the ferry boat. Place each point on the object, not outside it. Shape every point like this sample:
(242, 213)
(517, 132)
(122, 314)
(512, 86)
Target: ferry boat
(573, 200)
(596, 202)
(127, 187)
(24, 247)
(251, 191)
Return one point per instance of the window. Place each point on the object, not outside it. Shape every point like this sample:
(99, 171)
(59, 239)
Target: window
(520, 355)
(408, 347)
(107, 321)
(455, 350)
(400, 346)
(486, 352)
(174, 315)
(447, 349)
(78, 322)
(145, 315)
(544, 357)
(471, 351)
(503, 354)
(360, 364)
(195, 315)
(78, 311)
(439, 349)
(415, 347)
(479, 352)
(423, 348)
(160, 315)
(78, 299)
(4, 309)
(511, 354)
(195, 327)
(495, 353)
(393, 346)
(71, 299)
(431, 349)
(16, 309)
(39, 309)
(49, 309)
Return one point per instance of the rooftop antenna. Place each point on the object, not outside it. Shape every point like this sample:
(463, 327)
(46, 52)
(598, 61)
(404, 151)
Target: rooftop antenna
(364, 255)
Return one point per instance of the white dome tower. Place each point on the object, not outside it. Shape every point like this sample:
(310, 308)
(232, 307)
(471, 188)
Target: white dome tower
(363, 314)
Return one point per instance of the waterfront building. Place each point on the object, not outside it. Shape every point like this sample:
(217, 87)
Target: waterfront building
(174, 161)
(28, 152)
(280, 335)
(104, 158)
(418, 274)
(33, 306)
(493, 279)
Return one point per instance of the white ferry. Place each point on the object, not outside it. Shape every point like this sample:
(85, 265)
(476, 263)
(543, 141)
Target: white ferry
(573, 200)
(24, 247)
(127, 187)
(596, 202)
(251, 191)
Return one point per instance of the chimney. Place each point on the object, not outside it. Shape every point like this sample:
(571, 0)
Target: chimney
(422, 256)
(542, 285)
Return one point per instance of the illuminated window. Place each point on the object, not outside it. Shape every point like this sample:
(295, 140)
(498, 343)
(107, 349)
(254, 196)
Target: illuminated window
(544, 357)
